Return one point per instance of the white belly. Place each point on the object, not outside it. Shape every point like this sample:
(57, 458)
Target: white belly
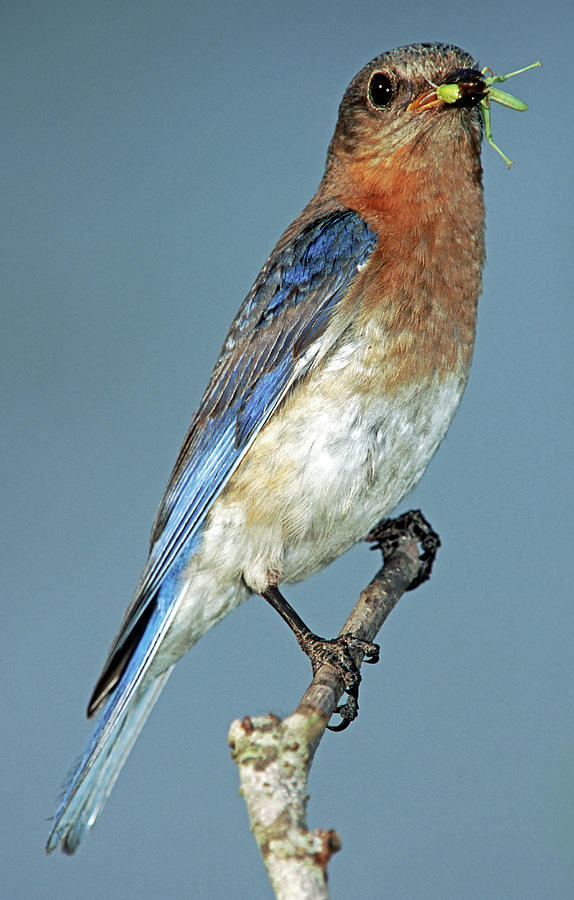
(321, 474)
(347, 466)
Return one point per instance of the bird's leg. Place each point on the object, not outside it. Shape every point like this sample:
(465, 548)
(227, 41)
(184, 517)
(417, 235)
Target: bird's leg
(390, 533)
(337, 652)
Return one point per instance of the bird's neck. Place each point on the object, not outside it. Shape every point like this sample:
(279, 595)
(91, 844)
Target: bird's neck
(423, 279)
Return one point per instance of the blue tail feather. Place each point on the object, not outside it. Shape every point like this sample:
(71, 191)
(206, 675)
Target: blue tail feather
(122, 719)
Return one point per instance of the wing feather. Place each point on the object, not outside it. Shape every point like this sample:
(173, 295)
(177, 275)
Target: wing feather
(271, 344)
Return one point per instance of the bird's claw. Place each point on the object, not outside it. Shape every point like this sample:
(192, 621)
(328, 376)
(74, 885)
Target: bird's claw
(348, 711)
(340, 653)
(388, 535)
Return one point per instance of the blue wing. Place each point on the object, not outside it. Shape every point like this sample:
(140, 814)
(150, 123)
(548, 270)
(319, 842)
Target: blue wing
(272, 342)
(270, 345)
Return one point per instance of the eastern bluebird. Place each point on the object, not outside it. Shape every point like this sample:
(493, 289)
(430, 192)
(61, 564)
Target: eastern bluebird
(335, 385)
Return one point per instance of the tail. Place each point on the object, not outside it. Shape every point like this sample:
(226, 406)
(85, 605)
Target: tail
(122, 720)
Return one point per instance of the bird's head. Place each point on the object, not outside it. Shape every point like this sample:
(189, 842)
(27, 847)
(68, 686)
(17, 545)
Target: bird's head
(391, 115)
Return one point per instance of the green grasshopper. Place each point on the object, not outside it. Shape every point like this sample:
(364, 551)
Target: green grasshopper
(450, 93)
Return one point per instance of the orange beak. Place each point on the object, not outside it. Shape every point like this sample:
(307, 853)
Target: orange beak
(426, 100)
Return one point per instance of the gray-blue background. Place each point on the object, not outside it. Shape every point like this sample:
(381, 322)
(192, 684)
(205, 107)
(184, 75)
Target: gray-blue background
(155, 151)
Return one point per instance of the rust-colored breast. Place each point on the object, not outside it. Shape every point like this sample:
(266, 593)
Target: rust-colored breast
(423, 280)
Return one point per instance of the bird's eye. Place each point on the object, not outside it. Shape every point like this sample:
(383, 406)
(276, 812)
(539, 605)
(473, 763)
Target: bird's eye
(380, 90)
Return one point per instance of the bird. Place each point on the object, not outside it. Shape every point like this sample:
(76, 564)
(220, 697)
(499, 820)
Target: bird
(335, 385)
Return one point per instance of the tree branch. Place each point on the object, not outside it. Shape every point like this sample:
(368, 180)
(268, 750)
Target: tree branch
(274, 757)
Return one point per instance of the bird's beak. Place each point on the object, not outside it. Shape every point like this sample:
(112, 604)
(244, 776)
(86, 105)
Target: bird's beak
(463, 87)
(427, 100)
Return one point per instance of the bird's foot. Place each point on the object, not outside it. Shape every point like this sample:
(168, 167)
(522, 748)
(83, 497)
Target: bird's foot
(340, 653)
(389, 534)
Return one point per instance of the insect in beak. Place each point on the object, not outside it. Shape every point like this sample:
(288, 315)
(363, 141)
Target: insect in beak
(472, 88)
